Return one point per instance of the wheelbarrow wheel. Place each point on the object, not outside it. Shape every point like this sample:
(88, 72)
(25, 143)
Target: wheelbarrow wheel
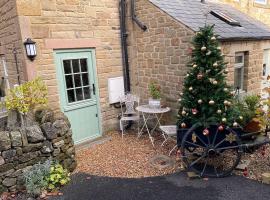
(215, 154)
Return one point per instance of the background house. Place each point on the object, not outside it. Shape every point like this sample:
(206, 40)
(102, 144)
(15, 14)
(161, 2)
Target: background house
(258, 9)
(160, 54)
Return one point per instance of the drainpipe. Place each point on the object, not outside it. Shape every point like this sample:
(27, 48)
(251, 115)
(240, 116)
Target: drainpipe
(124, 35)
(134, 17)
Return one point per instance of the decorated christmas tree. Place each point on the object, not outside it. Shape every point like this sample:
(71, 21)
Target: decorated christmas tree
(206, 97)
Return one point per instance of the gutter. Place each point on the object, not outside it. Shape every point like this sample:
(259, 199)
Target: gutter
(134, 17)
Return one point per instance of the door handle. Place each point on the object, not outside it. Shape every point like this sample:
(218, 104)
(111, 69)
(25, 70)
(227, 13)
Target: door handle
(94, 89)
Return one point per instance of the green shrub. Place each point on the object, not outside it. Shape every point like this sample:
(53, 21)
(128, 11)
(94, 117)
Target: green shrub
(46, 176)
(154, 91)
(34, 179)
(248, 107)
(27, 96)
(58, 177)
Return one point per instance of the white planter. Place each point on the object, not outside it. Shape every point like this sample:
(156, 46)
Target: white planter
(154, 103)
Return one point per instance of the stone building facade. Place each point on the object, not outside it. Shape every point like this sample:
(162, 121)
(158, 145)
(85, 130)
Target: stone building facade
(161, 53)
(260, 11)
(63, 24)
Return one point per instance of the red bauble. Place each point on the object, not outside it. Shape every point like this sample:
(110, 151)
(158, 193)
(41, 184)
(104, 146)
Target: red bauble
(245, 172)
(206, 131)
(194, 111)
(220, 128)
(183, 125)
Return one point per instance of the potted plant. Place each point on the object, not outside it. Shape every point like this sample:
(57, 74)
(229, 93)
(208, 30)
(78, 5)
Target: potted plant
(248, 107)
(155, 93)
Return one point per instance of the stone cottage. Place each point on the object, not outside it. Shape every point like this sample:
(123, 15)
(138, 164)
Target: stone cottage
(161, 52)
(81, 45)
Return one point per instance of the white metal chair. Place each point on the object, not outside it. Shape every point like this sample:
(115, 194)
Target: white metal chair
(169, 133)
(128, 111)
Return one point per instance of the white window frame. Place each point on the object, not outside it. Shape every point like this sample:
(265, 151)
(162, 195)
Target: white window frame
(260, 2)
(241, 65)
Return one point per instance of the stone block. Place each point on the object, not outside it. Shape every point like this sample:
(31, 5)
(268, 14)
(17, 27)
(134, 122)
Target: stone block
(8, 182)
(16, 138)
(28, 156)
(49, 130)
(266, 178)
(40, 32)
(9, 154)
(29, 8)
(5, 142)
(61, 126)
(32, 147)
(59, 144)
(34, 134)
(2, 161)
(4, 168)
(47, 147)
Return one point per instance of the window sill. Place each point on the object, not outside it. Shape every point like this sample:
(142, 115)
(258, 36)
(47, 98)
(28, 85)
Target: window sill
(260, 5)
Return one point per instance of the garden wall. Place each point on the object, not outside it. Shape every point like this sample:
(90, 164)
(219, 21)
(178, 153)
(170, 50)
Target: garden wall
(50, 137)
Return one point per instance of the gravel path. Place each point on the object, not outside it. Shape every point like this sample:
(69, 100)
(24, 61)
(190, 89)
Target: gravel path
(125, 158)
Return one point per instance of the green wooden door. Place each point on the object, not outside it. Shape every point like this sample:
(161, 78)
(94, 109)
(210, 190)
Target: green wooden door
(78, 90)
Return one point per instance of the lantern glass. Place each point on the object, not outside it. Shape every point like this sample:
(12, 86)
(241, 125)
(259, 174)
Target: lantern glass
(30, 47)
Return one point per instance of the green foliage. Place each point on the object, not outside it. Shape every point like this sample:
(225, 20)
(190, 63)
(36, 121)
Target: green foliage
(58, 177)
(248, 107)
(206, 97)
(46, 176)
(27, 96)
(34, 178)
(155, 91)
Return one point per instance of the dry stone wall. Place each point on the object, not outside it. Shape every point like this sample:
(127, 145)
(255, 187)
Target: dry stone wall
(20, 149)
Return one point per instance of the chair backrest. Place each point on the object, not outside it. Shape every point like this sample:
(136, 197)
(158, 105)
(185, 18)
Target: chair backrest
(130, 102)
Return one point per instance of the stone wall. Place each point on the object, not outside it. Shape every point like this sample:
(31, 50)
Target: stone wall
(259, 11)
(159, 54)
(20, 149)
(10, 39)
(253, 63)
(86, 23)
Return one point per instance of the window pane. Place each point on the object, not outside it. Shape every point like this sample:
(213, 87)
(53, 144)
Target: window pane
(83, 65)
(71, 96)
(79, 94)
(77, 80)
(85, 79)
(67, 66)
(238, 79)
(239, 59)
(261, 1)
(87, 94)
(75, 64)
(69, 81)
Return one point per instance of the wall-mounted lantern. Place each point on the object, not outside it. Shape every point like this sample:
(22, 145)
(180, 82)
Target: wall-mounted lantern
(30, 47)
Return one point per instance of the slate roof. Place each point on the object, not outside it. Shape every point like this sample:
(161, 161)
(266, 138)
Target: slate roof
(192, 13)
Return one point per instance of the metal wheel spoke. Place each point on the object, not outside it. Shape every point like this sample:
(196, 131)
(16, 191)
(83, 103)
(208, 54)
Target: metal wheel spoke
(215, 137)
(197, 145)
(200, 139)
(194, 162)
(220, 143)
(204, 167)
(227, 148)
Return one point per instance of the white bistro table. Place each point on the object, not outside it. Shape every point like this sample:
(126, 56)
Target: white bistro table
(151, 113)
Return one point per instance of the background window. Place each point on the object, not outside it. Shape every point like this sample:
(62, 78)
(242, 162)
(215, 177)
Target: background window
(239, 71)
(261, 1)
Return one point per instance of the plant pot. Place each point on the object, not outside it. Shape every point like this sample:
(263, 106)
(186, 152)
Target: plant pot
(154, 103)
(252, 126)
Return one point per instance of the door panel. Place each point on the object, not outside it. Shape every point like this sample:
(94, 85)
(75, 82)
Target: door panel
(78, 98)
